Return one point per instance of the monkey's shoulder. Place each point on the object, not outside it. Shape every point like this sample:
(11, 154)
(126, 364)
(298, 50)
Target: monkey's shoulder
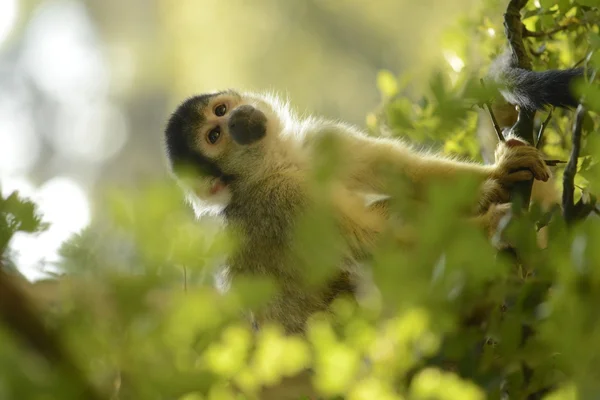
(323, 134)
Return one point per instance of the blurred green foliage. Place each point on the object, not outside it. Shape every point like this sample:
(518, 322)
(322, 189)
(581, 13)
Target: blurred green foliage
(452, 319)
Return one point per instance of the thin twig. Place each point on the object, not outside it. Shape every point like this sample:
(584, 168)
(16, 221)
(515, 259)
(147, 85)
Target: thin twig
(561, 27)
(568, 205)
(543, 127)
(538, 52)
(488, 106)
(528, 33)
(587, 55)
(553, 163)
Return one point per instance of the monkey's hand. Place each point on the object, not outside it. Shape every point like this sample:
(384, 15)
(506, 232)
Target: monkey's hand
(518, 161)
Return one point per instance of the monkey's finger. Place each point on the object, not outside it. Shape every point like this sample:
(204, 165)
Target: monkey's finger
(518, 176)
(541, 171)
(532, 161)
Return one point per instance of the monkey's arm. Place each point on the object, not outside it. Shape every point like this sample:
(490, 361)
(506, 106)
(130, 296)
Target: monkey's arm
(369, 163)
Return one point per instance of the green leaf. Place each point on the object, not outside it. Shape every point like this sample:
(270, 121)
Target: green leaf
(564, 6)
(589, 3)
(546, 4)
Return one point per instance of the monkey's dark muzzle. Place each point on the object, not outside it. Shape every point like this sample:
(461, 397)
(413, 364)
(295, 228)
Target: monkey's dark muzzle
(247, 125)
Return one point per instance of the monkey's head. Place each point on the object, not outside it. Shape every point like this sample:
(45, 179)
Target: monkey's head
(214, 139)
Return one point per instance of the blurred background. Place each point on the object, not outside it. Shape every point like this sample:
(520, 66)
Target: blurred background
(86, 86)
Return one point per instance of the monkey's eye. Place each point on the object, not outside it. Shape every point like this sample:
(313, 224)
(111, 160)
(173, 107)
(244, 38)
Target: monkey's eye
(214, 135)
(220, 110)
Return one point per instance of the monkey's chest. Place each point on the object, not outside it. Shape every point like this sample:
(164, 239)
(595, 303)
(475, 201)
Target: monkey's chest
(294, 300)
(267, 248)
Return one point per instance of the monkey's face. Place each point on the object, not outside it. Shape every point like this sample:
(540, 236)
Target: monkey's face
(215, 139)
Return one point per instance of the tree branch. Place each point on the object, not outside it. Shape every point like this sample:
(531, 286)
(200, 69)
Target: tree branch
(19, 316)
(569, 209)
(523, 128)
(513, 30)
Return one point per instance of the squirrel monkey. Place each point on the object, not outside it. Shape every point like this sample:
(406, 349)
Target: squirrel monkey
(251, 156)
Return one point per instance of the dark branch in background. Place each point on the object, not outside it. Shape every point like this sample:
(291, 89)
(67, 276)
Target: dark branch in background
(581, 210)
(523, 128)
(19, 316)
(569, 209)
